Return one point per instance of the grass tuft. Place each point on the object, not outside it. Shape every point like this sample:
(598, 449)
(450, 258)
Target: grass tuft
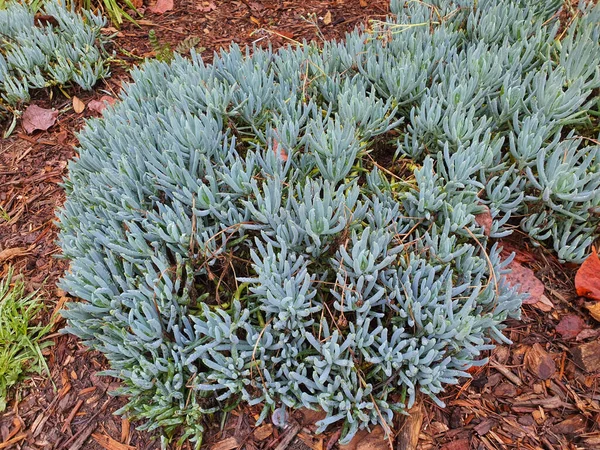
(20, 338)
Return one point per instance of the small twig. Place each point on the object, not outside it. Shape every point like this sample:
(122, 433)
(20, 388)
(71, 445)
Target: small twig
(507, 373)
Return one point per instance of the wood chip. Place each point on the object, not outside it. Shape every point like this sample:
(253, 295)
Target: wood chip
(548, 402)
(11, 442)
(587, 356)
(11, 253)
(109, 443)
(263, 432)
(539, 362)
(484, 427)
(572, 425)
(507, 373)
(226, 444)
(408, 438)
(460, 444)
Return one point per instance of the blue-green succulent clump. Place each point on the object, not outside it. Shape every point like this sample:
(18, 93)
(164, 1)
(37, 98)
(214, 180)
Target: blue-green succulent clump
(57, 47)
(234, 237)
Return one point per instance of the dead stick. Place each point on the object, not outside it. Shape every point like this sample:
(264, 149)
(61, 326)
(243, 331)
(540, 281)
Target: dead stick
(67, 423)
(507, 373)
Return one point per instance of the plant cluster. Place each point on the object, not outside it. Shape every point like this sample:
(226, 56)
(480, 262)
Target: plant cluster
(20, 339)
(57, 47)
(235, 235)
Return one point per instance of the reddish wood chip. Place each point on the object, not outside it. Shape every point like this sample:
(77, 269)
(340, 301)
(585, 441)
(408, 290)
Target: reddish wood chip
(587, 280)
(460, 444)
(572, 425)
(539, 362)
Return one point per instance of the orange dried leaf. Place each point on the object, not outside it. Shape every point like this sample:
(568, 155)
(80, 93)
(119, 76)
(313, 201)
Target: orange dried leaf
(587, 280)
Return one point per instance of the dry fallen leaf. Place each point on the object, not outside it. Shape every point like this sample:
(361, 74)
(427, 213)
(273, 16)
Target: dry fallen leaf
(99, 105)
(594, 310)
(36, 118)
(587, 280)
(528, 283)
(363, 3)
(78, 105)
(539, 362)
(327, 18)
(570, 326)
(161, 7)
(544, 304)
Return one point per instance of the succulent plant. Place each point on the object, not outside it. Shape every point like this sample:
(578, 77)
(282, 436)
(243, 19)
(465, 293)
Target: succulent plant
(234, 238)
(56, 47)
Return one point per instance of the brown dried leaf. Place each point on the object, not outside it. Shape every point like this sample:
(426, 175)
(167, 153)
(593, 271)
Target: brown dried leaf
(36, 118)
(539, 362)
(327, 18)
(587, 279)
(528, 283)
(78, 105)
(570, 326)
(161, 7)
(594, 309)
(363, 3)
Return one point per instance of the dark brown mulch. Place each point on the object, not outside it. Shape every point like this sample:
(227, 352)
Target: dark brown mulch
(531, 396)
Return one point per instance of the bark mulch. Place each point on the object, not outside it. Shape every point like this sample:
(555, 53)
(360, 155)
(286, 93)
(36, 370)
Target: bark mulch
(539, 393)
